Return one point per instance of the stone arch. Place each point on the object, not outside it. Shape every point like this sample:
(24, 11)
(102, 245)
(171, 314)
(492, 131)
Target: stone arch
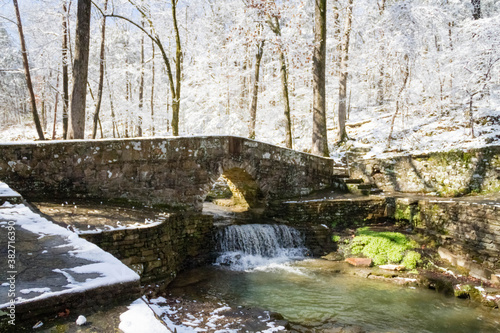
(246, 193)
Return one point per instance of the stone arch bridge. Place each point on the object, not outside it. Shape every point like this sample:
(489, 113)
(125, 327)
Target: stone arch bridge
(170, 172)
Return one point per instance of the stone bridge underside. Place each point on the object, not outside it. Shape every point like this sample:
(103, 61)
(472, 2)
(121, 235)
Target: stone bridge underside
(171, 172)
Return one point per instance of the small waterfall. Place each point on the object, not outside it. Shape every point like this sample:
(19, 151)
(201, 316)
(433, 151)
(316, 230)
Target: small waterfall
(248, 246)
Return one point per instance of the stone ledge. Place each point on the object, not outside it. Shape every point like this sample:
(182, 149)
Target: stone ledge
(29, 312)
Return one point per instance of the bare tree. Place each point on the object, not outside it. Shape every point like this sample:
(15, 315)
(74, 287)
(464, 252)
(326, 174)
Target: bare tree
(141, 89)
(176, 93)
(319, 136)
(476, 9)
(76, 128)
(342, 134)
(274, 24)
(175, 85)
(65, 77)
(152, 102)
(101, 74)
(255, 92)
(406, 75)
(26, 65)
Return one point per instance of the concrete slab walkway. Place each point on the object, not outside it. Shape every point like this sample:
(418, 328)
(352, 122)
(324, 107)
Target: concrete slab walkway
(46, 269)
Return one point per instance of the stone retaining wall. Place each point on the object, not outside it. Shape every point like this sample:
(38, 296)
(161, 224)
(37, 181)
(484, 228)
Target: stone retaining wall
(171, 172)
(161, 251)
(445, 173)
(29, 312)
(317, 218)
(467, 228)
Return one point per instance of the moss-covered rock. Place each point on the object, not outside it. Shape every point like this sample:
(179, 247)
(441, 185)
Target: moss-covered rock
(385, 247)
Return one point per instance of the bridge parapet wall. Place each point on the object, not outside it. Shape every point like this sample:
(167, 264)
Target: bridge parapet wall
(176, 172)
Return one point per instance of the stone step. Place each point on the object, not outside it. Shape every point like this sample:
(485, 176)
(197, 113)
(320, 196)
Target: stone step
(354, 181)
(371, 191)
(364, 189)
(341, 172)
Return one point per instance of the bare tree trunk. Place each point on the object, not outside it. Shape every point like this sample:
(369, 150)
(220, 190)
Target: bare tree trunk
(381, 68)
(255, 92)
(337, 38)
(319, 136)
(286, 100)
(274, 24)
(26, 65)
(153, 91)
(141, 89)
(113, 120)
(101, 74)
(471, 117)
(55, 109)
(342, 134)
(476, 9)
(65, 78)
(76, 128)
(176, 94)
(406, 74)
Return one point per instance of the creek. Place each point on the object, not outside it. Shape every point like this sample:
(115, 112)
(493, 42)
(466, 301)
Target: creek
(261, 269)
(264, 266)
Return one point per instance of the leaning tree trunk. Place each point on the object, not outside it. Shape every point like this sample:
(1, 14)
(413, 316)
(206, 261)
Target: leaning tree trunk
(319, 137)
(101, 74)
(176, 96)
(286, 100)
(26, 66)
(76, 128)
(406, 75)
(255, 92)
(342, 134)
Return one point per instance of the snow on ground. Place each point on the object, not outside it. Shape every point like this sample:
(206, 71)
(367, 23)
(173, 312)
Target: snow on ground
(417, 131)
(421, 133)
(160, 315)
(109, 269)
(141, 318)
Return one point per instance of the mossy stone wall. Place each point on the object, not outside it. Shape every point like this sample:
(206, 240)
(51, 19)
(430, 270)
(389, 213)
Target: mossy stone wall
(451, 173)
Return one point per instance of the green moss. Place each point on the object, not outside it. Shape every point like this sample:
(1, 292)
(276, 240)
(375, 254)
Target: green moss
(410, 213)
(402, 214)
(336, 238)
(468, 291)
(385, 247)
(411, 260)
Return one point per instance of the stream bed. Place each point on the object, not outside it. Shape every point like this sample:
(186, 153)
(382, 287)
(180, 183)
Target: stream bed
(314, 297)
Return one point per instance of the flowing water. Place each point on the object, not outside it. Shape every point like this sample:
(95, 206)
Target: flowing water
(264, 266)
(244, 247)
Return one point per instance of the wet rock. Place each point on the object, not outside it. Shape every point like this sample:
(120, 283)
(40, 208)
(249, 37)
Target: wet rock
(392, 267)
(359, 262)
(333, 256)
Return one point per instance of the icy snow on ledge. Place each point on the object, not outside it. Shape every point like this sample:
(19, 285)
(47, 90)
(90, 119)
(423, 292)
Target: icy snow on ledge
(6, 191)
(108, 268)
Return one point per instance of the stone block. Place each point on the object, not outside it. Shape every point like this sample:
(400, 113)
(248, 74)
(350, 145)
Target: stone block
(359, 262)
